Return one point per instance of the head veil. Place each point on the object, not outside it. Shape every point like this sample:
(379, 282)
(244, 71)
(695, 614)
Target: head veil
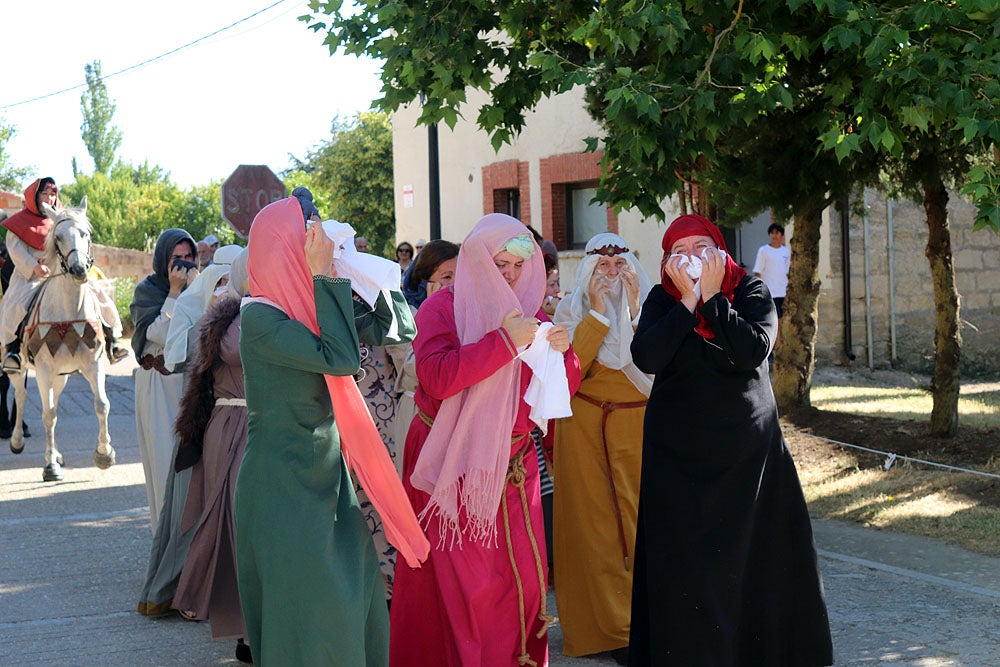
(192, 304)
(150, 294)
(280, 275)
(614, 352)
(463, 463)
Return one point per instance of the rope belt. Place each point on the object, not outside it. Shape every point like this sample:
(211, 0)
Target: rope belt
(516, 475)
(242, 402)
(150, 362)
(607, 408)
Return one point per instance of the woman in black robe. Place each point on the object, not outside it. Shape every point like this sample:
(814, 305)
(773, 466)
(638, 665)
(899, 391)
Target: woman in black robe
(725, 571)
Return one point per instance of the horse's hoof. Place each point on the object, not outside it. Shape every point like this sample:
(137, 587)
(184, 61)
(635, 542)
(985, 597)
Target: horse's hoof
(16, 450)
(105, 461)
(52, 473)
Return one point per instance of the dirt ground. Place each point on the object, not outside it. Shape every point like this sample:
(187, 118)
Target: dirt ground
(970, 448)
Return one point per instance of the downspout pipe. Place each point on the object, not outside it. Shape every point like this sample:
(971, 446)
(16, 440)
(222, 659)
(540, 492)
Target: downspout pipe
(845, 247)
(869, 336)
(892, 284)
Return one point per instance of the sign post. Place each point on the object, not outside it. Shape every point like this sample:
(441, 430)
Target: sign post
(247, 190)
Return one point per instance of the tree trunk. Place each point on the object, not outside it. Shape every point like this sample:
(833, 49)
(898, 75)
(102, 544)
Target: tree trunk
(947, 338)
(794, 358)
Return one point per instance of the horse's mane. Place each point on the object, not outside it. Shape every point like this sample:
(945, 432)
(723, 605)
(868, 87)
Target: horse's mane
(65, 215)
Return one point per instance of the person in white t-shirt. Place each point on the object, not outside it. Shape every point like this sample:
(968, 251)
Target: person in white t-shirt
(772, 265)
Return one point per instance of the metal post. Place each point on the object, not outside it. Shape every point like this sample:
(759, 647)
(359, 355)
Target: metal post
(434, 181)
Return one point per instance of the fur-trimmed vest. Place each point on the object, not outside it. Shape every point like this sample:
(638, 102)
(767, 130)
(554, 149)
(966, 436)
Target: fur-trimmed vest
(198, 400)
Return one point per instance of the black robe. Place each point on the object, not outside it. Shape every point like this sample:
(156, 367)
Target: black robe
(725, 565)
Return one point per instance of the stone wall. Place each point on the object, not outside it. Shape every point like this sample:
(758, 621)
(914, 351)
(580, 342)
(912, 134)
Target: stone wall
(122, 263)
(909, 306)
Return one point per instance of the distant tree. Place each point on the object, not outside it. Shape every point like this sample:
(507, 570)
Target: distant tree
(101, 138)
(12, 177)
(350, 175)
(201, 214)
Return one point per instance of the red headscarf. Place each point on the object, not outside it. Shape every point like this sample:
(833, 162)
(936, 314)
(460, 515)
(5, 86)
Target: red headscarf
(696, 225)
(278, 272)
(29, 224)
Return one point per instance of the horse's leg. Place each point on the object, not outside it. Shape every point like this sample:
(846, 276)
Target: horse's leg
(19, 381)
(104, 455)
(50, 387)
(5, 425)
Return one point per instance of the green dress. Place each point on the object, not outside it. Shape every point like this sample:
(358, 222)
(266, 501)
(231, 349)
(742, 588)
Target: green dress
(309, 580)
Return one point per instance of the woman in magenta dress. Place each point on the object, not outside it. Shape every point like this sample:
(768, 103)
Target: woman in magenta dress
(470, 467)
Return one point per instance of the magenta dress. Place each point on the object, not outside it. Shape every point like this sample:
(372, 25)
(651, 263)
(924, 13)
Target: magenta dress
(208, 581)
(461, 607)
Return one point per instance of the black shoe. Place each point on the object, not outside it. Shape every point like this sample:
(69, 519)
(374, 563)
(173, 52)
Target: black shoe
(243, 652)
(620, 655)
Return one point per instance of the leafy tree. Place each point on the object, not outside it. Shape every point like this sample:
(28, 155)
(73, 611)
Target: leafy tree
(733, 89)
(350, 176)
(101, 137)
(11, 176)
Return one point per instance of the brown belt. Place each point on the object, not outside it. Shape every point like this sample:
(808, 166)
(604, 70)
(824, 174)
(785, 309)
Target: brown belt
(607, 408)
(150, 362)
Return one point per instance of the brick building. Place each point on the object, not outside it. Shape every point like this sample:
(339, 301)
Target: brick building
(545, 179)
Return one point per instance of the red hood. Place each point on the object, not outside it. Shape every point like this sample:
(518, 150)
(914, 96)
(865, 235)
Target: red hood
(28, 224)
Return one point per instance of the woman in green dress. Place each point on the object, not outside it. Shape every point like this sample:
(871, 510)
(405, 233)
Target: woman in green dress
(309, 580)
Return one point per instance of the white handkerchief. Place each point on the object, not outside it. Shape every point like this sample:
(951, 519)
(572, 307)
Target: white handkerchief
(548, 391)
(369, 274)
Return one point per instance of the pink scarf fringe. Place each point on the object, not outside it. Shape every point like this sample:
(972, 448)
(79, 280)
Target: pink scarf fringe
(463, 463)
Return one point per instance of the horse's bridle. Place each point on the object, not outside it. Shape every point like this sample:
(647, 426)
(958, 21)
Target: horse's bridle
(64, 259)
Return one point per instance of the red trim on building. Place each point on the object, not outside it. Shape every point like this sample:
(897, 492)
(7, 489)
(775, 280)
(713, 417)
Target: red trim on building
(557, 173)
(501, 177)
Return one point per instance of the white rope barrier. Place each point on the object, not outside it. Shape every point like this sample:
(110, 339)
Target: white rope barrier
(891, 457)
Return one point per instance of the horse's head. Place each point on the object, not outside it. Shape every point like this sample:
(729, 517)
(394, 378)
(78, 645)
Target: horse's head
(68, 242)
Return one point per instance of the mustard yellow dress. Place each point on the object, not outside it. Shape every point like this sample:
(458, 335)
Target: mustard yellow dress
(595, 513)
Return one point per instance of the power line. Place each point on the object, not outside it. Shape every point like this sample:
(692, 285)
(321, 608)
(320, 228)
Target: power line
(145, 62)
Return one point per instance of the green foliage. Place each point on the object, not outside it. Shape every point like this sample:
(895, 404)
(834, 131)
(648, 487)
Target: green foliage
(124, 291)
(129, 208)
(12, 177)
(101, 137)
(350, 176)
(926, 94)
(676, 82)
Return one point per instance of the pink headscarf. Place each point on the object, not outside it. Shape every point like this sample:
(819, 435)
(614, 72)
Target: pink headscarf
(463, 463)
(279, 273)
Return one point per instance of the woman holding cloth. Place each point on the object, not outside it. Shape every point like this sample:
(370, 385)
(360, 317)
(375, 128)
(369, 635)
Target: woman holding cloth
(726, 570)
(309, 580)
(598, 452)
(470, 467)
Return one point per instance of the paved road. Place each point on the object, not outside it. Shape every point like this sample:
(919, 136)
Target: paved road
(73, 558)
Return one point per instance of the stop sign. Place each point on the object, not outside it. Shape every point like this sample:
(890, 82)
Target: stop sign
(247, 190)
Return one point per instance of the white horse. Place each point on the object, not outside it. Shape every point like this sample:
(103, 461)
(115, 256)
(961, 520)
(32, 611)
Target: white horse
(63, 335)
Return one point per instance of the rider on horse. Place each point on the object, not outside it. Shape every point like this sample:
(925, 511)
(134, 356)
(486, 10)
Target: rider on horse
(26, 245)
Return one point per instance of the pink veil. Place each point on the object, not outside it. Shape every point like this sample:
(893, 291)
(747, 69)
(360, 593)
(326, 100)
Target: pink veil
(463, 463)
(279, 273)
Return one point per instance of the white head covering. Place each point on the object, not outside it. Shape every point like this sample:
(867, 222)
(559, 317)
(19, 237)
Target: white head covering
(239, 276)
(614, 352)
(192, 304)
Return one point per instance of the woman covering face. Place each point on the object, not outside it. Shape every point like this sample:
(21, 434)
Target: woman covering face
(595, 510)
(725, 569)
